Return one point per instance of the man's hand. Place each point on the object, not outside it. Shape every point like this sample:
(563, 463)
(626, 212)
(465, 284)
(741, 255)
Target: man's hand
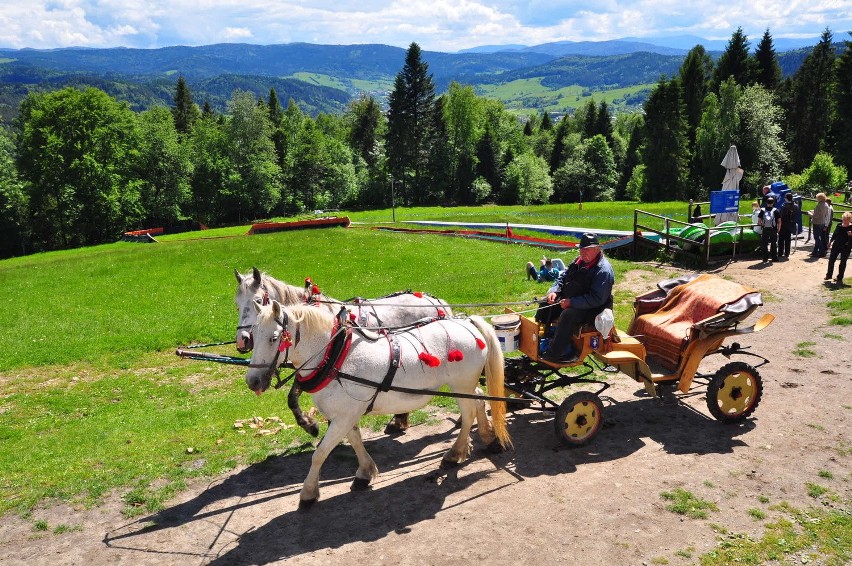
(565, 303)
(551, 298)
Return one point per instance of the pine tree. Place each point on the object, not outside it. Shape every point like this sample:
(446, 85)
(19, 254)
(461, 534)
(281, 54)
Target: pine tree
(185, 112)
(590, 121)
(842, 126)
(546, 121)
(734, 62)
(810, 105)
(665, 155)
(603, 125)
(410, 116)
(767, 69)
(276, 113)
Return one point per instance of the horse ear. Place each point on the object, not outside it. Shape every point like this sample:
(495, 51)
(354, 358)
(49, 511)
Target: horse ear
(238, 276)
(276, 309)
(256, 274)
(257, 306)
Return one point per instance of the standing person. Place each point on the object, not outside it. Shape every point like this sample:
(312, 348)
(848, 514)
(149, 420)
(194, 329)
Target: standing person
(820, 218)
(840, 245)
(770, 220)
(767, 193)
(789, 214)
(755, 217)
(583, 290)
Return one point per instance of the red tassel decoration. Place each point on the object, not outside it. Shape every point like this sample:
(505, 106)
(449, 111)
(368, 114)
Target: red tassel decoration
(480, 343)
(429, 359)
(314, 290)
(441, 313)
(352, 317)
(455, 355)
(418, 294)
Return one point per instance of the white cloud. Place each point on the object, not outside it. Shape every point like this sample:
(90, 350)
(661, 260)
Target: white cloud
(435, 24)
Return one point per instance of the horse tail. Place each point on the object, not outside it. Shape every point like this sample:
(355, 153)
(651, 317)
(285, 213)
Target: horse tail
(494, 379)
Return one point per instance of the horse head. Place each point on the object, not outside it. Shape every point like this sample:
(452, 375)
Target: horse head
(269, 328)
(297, 333)
(249, 292)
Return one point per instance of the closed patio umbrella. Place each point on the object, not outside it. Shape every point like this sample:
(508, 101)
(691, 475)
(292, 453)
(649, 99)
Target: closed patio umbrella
(733, 172)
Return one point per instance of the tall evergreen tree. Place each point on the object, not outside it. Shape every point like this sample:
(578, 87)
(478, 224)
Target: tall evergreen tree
(365, 125)
(810, 106)
(546, 121)
(489, 165)
(185, 111)
(767, 69)
(14, 226)
(666, 153)
(590, 120)
(276, 113)
(695, 74)
(604, 123)
(632, 156)
(842, 126)
(410, 115)
(734, 62)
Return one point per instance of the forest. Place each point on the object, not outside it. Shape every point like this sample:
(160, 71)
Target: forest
(78, 167)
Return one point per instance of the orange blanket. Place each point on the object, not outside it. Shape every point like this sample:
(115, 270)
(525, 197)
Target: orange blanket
(665, 331)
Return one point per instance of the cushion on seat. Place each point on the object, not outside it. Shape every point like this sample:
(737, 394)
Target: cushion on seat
(666, 330)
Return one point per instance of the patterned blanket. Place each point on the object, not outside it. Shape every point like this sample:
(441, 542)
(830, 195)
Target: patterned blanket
(666, 331)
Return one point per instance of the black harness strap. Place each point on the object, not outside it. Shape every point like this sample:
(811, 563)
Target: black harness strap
(392, 367)
(432, 392)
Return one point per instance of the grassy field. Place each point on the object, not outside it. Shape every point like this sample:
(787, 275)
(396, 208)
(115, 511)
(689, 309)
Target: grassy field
(92, 396)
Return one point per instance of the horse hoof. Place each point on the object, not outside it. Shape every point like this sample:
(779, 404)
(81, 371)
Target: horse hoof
(394, 429)
(306, 504)
(360, 484)
(449, 464)
(494, 447)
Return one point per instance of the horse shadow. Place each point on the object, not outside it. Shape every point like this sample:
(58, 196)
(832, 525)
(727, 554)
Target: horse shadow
(279, 479)
(670, 422)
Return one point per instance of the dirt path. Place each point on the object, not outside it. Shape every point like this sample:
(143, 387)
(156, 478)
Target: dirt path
(540, 503)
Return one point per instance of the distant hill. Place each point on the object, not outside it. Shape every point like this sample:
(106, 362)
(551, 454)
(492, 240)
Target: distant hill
(324, 78)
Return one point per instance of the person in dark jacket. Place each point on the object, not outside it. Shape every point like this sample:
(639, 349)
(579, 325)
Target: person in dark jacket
(840, 245)
(789, 215)
(582, 291)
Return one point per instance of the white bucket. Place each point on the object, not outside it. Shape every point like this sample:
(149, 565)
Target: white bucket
(508, 329)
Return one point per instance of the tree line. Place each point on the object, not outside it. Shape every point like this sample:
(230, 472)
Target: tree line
(79, 167)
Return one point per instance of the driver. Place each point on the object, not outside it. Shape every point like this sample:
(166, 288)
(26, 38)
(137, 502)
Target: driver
(583, 290)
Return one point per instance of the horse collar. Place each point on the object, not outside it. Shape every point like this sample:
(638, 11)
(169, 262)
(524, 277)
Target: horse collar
(335, 355)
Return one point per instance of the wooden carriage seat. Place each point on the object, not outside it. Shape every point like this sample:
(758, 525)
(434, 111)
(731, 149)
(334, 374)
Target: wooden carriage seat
(666, 319)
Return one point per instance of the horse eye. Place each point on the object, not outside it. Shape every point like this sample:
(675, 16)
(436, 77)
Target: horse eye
(258, 300)
(275, 336)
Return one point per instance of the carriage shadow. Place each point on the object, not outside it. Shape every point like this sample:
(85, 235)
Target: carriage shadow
(627, 427)
(255, 510)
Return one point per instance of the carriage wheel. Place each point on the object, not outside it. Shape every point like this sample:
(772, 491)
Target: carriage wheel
(734, 392)
(579, 419)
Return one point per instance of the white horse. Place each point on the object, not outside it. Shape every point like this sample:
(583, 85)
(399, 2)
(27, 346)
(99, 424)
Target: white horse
(343, 370)
(392, 311)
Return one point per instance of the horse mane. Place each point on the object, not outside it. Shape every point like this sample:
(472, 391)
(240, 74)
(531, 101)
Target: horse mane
(287, 294)
(318, 320)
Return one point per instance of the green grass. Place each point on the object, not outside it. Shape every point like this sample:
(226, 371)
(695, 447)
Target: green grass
(685, 503)
(803, 349)
(803, 536)
(92, 397)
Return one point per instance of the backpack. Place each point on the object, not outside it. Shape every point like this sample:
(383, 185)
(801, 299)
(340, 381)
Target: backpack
(768, 216)
(789, 213)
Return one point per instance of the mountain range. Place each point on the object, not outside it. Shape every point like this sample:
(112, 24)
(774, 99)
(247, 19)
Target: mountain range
(555, 76)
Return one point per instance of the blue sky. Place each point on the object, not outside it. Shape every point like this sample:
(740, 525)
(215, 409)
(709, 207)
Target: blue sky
(436, 25)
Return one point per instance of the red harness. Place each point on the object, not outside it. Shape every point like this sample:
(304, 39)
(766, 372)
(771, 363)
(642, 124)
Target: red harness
(328, 368)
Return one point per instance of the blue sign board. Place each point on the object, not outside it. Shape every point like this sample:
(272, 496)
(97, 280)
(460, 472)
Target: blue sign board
(724, 201)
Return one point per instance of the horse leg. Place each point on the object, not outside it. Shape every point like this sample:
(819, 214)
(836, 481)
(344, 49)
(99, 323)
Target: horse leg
(485, 430)
(460, 450)
(398, 424)
(307, 423)
(367, 470)
(337, 430)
